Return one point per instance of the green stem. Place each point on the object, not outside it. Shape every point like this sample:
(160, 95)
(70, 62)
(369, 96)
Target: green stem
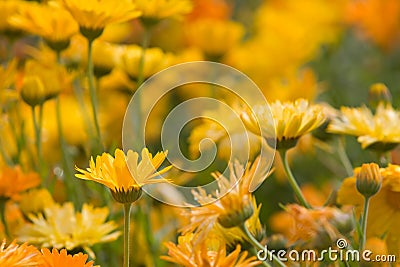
(127, 214)
(38, 136)
(292, 179)
(364, 220)
(18, 140)
(3, 202)
(67, 163)
(141, 78)
(145, 45)
(256, 244)
(92, 90)
(343, 157)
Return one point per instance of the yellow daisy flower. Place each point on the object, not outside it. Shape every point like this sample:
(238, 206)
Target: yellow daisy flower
(384, 207)
(94, 15)
(156, 10)
(290, 121)
(62, 227)
(231, 206)
(13, 181)
(62, 259)
(123, 175)
(19, 255)
(52, 23)
(379, 131)
(211, 252)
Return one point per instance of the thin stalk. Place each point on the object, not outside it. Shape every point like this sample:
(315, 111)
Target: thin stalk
(144, 45)
(364, 220)
(256, 244)
(3, 202)
(344, 157)
(18, 140)
(67, 163)
(292, 179)
(140, 78)
(37, 124)
(127, 214)
(92, 90)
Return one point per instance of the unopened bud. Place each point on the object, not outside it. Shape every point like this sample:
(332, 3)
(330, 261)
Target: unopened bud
(369, 180)
(379, 93)
(32, 91)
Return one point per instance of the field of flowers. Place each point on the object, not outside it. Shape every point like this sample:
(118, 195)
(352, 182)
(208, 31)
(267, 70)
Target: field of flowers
(296, 156)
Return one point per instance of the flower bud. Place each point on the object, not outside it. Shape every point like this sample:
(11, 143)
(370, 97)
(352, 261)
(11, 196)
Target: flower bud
(378, 93)
(369, 180)
(32, 91)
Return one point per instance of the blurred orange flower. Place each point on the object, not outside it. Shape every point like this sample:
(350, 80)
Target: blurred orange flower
(14, 181)
(378, 20)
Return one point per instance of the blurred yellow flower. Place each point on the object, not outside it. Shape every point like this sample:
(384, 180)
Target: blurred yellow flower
(232, 204)
(60, 258)
(384, 207)
(367, 16)
(105, 57)
(214, 37)
(95, 15)
(289, 121)
(62, 227)
(123, 174)
(51, 77)
(379, 131)
(35, 200)
(226, 130)
(278, 23)
(154, 60)
(211, 252)
(156, 10)
(9, 9)
(15, 255)
(52, 23)
(14, 181)
(293, 85)
(378, 247)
